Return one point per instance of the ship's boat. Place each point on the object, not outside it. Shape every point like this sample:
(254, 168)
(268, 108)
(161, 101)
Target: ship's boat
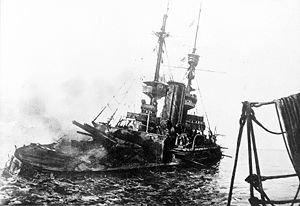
(141, 140)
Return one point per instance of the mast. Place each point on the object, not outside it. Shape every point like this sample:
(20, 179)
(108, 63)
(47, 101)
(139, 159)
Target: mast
(196, 36)
(156, 89)
(161, 40)
(193, 58)
(179, 98)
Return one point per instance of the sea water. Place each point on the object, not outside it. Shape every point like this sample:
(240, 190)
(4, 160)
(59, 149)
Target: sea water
(173, 186)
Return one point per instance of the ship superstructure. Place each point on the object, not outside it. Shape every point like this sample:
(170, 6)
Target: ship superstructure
(170, 138)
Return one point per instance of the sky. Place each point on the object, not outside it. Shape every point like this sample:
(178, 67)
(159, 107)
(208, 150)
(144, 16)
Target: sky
(64, 60)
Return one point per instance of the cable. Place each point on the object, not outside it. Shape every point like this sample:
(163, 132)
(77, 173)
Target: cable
(111, 99)
(168, 60)
(203, 104)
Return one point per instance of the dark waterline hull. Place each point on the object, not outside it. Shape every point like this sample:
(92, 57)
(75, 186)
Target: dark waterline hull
(43, 158)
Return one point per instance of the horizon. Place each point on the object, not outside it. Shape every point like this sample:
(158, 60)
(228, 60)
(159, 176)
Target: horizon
(64, 60)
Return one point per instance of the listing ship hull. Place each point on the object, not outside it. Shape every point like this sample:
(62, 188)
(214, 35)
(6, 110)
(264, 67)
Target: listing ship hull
(78, 157)
(141, 140)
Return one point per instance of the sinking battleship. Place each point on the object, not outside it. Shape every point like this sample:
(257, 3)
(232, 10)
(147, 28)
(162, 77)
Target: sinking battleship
(141, 140)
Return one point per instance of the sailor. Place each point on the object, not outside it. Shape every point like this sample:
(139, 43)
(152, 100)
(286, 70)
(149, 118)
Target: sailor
(202, 127)
(169, 143)
(182, 140)
(212, 137)
(178, 128)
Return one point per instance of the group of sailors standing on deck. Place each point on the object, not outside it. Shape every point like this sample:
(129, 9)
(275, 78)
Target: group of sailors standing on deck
(176, 137)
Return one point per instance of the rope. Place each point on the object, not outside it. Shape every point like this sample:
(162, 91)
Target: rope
(259, 104)
(132, 80)
(284, 137)
(108, 102)
(125, 94)
(252, 116)
(170, 73)
(203, 104)
(185, 75)
(259, 124)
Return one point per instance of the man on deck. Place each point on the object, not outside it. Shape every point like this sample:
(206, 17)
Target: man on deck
(169, 143)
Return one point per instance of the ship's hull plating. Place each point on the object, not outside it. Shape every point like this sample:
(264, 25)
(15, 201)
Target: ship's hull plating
(94, 158)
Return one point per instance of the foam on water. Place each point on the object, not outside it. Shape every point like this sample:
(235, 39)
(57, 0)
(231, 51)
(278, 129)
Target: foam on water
(179, 186)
